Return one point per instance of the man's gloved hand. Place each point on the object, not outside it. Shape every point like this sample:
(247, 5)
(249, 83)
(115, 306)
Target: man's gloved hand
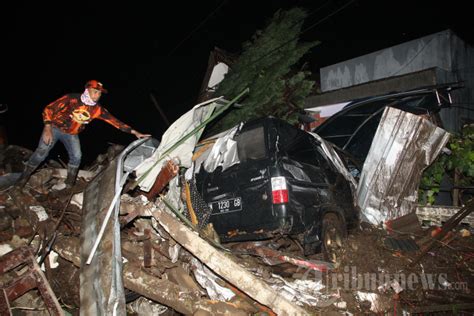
(139, 135)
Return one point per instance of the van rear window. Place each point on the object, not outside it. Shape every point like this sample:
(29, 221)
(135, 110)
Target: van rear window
(251, 144)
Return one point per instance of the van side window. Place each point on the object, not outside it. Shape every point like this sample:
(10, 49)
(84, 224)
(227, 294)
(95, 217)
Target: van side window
(301, 149)
(251, 144)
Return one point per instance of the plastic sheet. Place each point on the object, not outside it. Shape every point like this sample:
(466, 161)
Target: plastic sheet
(208, 280)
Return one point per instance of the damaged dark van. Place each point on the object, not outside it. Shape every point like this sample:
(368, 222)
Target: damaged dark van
(283, 184)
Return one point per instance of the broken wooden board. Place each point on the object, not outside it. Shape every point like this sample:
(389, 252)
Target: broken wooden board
(438, 214)
(137, 280)
(225, 266)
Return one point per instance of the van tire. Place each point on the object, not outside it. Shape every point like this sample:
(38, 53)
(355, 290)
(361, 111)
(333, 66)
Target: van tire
(332, 235)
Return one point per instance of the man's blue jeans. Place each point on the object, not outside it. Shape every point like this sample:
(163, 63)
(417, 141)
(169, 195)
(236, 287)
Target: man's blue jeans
(71, 142)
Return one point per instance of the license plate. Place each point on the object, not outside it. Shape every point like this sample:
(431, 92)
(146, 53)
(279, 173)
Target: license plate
(226, 206)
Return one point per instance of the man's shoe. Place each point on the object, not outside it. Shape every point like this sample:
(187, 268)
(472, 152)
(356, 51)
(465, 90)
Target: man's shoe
(71, 176)
(25, 176)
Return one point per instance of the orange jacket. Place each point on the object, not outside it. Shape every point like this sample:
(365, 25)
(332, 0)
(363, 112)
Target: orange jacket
(70, 115)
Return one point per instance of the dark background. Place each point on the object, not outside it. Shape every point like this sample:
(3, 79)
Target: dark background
(50, 49)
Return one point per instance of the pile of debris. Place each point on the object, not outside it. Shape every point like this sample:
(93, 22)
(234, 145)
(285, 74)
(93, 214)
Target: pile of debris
(108, 247)
(168, 266)
(162, 257)
(418, 271)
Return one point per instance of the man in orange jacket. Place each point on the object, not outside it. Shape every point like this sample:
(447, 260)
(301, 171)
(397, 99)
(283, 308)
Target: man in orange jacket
(63, 120)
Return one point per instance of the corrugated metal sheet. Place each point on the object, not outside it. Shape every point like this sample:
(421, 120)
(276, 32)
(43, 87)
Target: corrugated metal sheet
(403, 146)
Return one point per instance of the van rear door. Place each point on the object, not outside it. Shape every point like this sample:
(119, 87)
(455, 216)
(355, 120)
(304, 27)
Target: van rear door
(239, 196)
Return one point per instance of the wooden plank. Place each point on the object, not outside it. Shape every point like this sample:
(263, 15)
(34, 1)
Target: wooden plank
(438, 214)
(225, 266)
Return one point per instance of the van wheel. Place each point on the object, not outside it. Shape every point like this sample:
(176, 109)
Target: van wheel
(333, 234)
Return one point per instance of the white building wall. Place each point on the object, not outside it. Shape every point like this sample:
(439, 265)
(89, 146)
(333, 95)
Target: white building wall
(452, 58)
(423, 53)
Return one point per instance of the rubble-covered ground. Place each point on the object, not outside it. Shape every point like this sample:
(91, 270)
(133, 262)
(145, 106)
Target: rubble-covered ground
(368, 266)
(369, 276)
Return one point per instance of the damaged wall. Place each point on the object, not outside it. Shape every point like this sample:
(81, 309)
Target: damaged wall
(403, 146)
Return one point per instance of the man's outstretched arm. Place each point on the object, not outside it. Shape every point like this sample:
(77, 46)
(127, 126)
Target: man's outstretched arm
(112, 120)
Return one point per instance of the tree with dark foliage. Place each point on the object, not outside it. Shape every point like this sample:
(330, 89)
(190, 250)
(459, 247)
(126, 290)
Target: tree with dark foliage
(267, 67)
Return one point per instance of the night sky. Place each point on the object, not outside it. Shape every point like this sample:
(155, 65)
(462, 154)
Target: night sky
(159, 47)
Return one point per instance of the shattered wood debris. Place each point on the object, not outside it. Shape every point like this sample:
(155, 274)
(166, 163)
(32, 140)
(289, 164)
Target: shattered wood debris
(32, 278)
(166, 264)
(176, 278)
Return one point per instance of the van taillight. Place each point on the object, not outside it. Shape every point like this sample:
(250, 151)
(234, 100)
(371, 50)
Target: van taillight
(279, 190)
